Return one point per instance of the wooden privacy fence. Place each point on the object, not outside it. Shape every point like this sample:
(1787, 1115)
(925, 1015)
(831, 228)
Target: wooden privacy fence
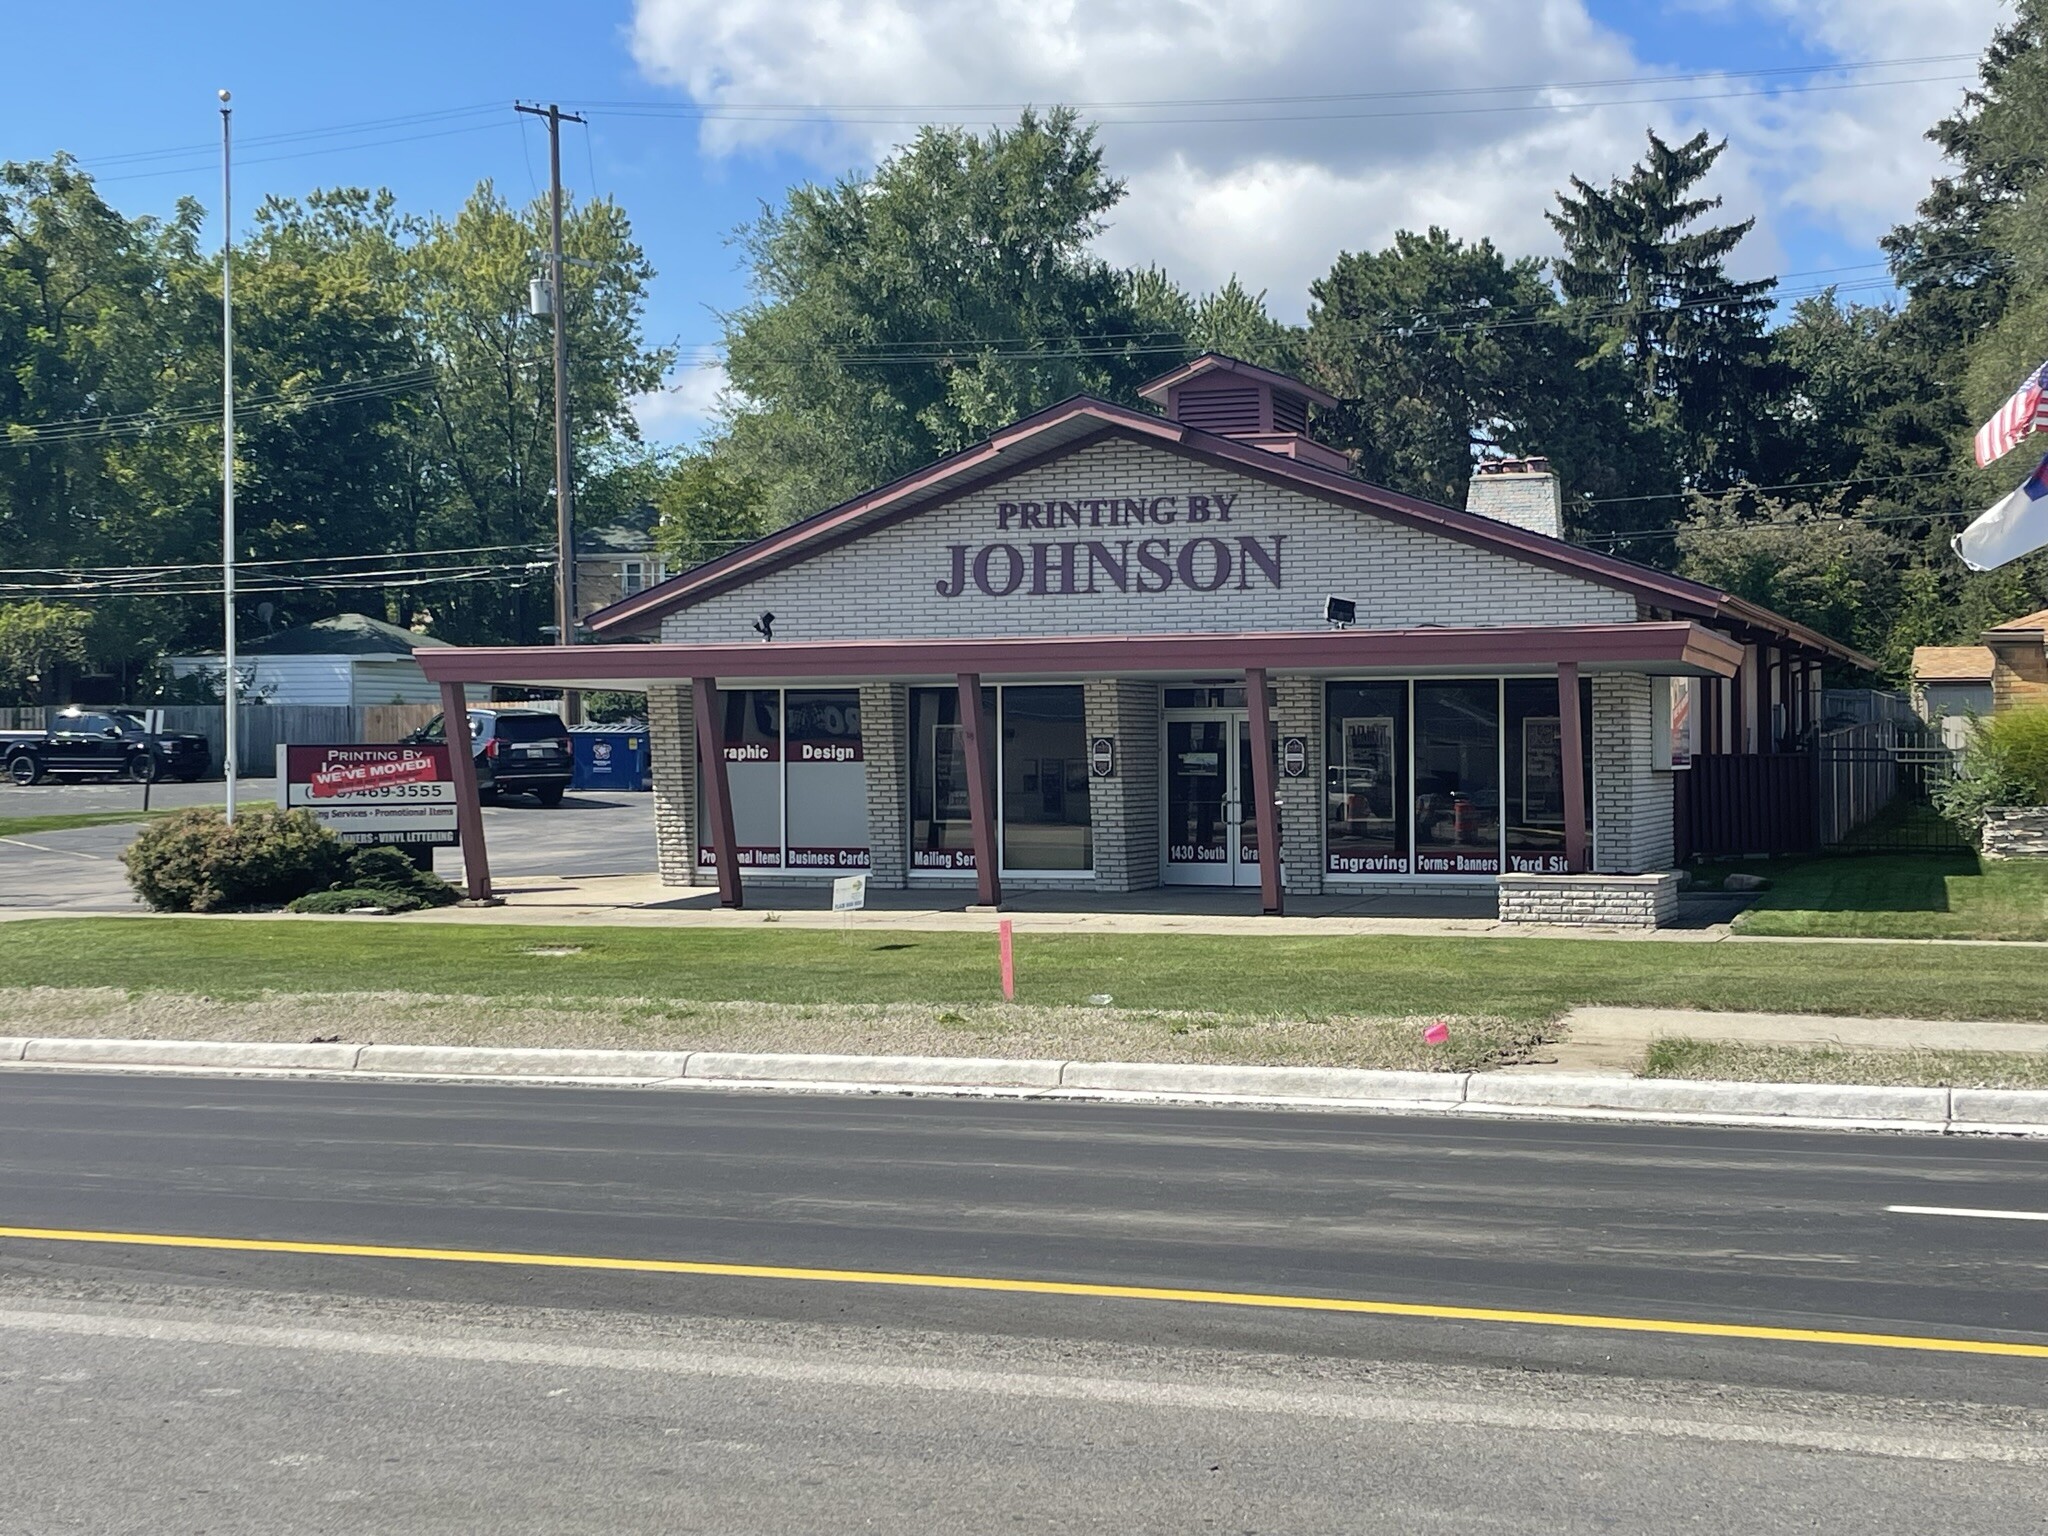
(263, 727)
(1733, 803)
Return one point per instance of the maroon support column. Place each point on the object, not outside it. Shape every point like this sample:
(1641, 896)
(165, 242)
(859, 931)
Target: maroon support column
(981, 788)
(469, 810)
(1570, 731)
(717, 806)
(1267, 810)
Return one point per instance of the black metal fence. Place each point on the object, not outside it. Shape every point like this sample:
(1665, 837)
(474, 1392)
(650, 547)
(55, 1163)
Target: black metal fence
(1875, 789)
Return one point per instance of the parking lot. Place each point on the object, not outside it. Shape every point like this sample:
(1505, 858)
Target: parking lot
(80, 869)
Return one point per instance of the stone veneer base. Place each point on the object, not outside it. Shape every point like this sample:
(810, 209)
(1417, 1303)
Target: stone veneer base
(1590, 901)
(2016, 832)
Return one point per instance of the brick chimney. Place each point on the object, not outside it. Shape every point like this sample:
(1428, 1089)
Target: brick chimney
(1523, 492)
(1253, 405)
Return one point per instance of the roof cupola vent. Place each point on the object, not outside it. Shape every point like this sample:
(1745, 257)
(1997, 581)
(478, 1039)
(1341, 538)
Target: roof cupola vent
(1254, 405)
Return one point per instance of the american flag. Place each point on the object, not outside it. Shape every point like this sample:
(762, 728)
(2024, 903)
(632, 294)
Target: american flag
(2024, 414)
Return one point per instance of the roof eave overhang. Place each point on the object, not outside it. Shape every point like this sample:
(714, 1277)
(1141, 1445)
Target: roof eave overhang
(1022, 442)
(1677, 647)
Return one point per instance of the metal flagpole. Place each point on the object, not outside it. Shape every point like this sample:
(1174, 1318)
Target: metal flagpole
(230, 689)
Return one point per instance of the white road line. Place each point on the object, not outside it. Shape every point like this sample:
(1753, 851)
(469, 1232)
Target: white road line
(1964, 1210)
(97, 858)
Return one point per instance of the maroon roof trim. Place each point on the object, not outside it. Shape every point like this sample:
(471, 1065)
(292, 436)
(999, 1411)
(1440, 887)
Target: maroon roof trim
(1664, 644)
(836, 525)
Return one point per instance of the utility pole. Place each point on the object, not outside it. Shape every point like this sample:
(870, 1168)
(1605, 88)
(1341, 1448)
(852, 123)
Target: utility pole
(565, 499)
(230, 693)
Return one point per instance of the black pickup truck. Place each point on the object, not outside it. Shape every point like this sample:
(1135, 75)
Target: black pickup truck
(116, 742)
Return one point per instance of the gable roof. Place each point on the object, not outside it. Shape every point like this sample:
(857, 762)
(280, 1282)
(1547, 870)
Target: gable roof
(2037, 621)
(1951, 664)
(1081, 419)
(346, 634)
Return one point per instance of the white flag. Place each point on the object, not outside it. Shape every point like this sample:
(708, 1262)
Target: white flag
(2017, 526)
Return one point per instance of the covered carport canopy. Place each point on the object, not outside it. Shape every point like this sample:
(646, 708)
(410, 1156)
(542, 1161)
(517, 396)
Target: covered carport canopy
(1677, 648)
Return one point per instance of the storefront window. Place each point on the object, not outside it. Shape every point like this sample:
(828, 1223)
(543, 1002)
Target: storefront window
(1366, 750)
(827, 780)
(1041, 781)
(1457, 778)
(802, 750)
(752, 739)
(941, 821)
(1045, 781)
(1535, 777)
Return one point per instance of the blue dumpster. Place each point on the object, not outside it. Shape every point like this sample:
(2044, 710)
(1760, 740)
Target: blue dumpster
(611, 757)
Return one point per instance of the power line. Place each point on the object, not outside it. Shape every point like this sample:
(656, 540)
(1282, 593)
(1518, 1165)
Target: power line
(395, 554)
(1292, 98)
(137, 423)
(811, 115)
(1795, 485)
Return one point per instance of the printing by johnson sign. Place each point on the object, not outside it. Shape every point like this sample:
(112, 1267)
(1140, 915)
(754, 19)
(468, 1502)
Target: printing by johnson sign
(1216, 558)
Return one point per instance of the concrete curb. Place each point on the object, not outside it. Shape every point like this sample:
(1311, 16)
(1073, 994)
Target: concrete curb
(1989, 1111)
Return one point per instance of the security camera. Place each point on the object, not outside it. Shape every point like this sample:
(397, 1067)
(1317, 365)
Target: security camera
(764, 626)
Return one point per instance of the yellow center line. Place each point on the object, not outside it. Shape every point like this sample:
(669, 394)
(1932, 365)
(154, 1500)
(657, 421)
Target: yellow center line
(1276, 1301)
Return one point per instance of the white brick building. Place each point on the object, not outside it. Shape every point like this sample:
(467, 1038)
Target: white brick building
(1045, 661)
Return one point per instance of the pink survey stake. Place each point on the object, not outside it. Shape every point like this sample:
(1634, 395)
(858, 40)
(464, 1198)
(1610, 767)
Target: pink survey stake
(1009, 961)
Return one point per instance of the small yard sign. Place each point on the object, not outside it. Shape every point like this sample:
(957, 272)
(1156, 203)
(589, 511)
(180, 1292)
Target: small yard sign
(402, 795)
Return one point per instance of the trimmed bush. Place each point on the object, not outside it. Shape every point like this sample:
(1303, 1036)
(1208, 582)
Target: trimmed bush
(391, 872)
(349, 898)
(2004, 763)
(195, 862)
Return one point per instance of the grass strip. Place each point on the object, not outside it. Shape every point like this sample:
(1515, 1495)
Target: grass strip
(1897, 896)
(1227, 976)
(1008, 1030)
(28, 826)
(1907, 1068)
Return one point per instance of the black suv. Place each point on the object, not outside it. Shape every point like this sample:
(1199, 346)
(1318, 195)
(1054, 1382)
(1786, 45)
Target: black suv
(111, 741)
(518, 752)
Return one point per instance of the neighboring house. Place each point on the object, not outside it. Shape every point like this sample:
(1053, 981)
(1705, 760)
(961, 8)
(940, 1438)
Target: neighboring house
(2019, 655)
(348, 659)
(1951, 680)
(617, 562)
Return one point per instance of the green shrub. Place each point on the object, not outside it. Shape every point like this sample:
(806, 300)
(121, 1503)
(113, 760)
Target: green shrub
(390, 871)
(195, 862)
(2005, 762)
(348, 898)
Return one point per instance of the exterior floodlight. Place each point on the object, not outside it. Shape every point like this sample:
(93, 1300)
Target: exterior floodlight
(1340, 612)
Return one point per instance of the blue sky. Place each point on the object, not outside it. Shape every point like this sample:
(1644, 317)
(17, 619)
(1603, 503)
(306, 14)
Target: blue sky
(1424, 116)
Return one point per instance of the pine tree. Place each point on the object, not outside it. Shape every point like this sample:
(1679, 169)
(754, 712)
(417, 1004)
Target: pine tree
(1648, 285)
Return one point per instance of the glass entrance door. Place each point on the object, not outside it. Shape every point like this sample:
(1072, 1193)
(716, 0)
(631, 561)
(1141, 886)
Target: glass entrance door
(1211, 832)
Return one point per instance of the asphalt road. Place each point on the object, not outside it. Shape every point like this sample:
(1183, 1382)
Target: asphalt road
(80, 870)
(198, 1388)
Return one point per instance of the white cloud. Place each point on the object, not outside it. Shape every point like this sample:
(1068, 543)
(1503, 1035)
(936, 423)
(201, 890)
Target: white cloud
(684, 407)
(1320, 131)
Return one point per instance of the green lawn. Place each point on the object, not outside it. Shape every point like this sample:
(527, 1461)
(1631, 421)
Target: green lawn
(27, 826)
(1898, 896)
(1727, 1061)
(1516, 979)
